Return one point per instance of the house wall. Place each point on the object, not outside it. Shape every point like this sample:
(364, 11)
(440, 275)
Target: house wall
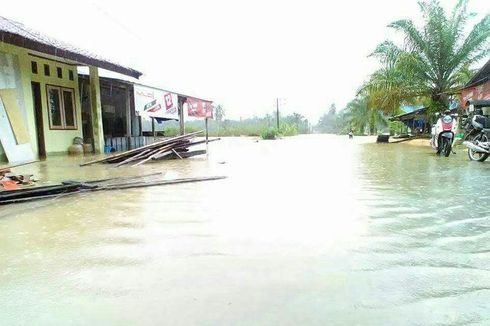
(479, 92)
(56, 141)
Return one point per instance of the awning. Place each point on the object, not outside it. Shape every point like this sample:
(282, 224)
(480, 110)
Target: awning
(409, 115)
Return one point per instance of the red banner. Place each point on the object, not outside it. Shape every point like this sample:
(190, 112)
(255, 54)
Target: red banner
(199, 108)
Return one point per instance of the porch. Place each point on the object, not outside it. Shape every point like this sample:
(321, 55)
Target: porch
(41, 98)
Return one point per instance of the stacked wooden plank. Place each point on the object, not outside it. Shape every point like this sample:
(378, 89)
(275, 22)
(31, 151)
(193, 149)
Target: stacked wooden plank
(76, 187)
(168, 148)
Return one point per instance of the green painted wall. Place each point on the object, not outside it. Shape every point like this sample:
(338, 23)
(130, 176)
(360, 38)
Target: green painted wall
(57, 141)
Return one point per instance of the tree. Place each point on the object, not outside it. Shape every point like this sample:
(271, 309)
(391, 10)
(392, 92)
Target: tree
(298, 121)
(362, 118)
(390, 85)
(434, 58)
(328, 121)
(219, 114)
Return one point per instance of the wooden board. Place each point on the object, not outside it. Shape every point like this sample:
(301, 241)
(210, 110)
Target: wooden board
(17, 122)
(16, 154)
(10, 80)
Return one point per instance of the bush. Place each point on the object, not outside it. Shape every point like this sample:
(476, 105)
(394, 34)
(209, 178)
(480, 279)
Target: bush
(270, 133)
(288, 130)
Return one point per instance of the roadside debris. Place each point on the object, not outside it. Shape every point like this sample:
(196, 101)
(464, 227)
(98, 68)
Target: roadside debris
(176, 147)
(10, 181)
(76, 187)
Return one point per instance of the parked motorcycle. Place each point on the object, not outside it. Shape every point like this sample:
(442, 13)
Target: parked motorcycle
(443, 133)
(479, 146)
(467, 121)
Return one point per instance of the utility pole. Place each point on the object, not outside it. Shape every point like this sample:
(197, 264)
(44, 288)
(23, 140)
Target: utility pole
(277, 112)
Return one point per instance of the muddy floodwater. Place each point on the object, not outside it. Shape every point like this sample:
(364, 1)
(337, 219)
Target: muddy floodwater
(308, 230)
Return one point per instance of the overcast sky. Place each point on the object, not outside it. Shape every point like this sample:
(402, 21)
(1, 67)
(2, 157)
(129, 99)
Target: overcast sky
(241, 54)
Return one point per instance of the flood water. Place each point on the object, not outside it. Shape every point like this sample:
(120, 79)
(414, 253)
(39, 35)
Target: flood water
(308, 230)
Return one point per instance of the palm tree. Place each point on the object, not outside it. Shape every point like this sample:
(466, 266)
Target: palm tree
(434, 57)
(363, 118)
(392, 84)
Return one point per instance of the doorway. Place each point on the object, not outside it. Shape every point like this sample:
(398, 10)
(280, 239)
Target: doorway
(38, 115)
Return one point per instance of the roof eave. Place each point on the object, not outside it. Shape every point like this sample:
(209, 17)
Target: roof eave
(27, 43)
(477, 77)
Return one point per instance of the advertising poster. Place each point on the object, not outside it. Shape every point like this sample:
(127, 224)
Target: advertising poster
(199, 108)
(156, 103)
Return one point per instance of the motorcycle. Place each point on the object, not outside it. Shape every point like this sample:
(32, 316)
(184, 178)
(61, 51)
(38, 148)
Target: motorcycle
(479, 146)
(443, 133)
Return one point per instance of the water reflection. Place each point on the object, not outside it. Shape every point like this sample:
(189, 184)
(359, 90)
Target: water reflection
(306, 230)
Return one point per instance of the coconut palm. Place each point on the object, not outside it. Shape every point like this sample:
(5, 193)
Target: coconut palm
(434, 58)
(363, 118)
(392, 84)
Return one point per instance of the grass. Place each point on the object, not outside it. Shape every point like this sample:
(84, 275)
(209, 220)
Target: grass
(236, 130)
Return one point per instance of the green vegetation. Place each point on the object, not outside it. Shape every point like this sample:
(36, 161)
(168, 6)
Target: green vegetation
(434, 60)
(270, 133)
(290, 125)
(356, 117)
(432, 63)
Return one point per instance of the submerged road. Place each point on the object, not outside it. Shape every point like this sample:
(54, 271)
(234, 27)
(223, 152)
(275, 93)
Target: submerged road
(308, 230)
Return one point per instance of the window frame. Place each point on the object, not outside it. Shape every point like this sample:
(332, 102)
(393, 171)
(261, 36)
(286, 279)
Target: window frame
(61, 90)
(34, 67)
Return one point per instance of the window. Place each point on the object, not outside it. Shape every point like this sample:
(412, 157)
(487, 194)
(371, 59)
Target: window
(46, 70)
(34, 67)
(70, 75)
(61, 108)
(69, 107)
(59, 71)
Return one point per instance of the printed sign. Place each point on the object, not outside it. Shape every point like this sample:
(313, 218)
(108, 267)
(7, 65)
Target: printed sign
(154, 102)
(199, 108)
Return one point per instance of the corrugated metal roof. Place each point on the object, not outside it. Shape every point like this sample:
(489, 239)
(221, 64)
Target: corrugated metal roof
(15, 33)
(410, 108)
(481, 76)
(409, 115)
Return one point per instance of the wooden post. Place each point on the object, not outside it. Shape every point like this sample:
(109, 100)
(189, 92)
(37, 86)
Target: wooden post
(207, 130)
(96, 110)
(128, 117)
(140, 126)
(180, 106)
(277, 112)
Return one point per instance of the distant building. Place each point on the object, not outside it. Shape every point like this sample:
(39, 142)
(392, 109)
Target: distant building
(414, 117)
(478, 88)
